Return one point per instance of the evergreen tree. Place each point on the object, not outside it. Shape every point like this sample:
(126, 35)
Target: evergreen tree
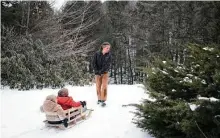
(66, 41)
(179, 107)
(33, 51)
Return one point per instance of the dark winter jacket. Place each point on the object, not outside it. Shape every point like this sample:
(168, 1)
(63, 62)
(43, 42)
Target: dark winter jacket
(101, 63)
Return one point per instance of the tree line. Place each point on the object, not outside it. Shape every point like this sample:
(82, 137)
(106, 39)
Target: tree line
(63, 43)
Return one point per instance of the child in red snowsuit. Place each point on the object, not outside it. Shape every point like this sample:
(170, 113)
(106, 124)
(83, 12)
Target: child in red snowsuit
(67, 101)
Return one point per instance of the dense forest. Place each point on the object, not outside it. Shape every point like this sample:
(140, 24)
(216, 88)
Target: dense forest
(172, 47)
(42, 47)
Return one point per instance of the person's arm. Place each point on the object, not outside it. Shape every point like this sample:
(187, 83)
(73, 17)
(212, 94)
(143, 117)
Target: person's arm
(72, 103)
(107, 65)
(60, 112)
(41, 109)
(94, 63)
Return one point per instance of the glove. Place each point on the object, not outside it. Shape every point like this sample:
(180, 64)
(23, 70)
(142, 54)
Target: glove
(65, 122)
(83, 103)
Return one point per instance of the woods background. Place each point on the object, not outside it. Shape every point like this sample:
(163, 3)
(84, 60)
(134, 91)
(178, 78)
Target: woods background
(42, 47)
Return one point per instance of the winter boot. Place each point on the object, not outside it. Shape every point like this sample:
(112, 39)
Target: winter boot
(99, 101)
(65, 122)
(103, 104)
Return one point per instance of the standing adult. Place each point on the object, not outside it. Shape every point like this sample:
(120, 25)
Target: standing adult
(101, 64)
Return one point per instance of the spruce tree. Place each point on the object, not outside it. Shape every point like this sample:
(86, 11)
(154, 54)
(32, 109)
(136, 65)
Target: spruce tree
(185, 96)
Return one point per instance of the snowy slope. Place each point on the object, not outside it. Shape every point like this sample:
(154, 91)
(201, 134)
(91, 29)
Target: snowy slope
(21, 117)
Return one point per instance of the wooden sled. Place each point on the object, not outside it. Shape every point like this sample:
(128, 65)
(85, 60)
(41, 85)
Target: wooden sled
(74, 115)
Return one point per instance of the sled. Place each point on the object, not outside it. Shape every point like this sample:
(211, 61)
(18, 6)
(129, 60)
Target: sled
(74, 115)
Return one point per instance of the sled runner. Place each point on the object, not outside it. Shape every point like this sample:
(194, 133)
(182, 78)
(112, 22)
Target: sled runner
(74, 116)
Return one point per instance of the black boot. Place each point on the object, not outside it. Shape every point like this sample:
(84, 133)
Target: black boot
(99, 101)
(103, 103)
(83, 103)
(65, 122)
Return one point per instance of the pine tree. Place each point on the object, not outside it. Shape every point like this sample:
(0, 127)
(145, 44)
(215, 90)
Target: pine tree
(33, 51)
(186, 97)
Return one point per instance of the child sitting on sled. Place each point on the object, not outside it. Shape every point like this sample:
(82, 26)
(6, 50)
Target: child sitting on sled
(67, 101)
(50, 105)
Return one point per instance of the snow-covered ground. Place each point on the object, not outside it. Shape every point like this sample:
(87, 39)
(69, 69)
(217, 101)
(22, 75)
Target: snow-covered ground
(21, 116)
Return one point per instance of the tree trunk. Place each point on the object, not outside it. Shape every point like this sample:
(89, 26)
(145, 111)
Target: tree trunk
(28, 17)
(130, 67)
(121, 73)
(115, 73)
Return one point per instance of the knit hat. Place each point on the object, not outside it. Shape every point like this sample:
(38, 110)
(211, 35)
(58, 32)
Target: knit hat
(63, 92)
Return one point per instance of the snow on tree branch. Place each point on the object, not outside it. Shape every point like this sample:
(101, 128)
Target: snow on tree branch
(211, 99)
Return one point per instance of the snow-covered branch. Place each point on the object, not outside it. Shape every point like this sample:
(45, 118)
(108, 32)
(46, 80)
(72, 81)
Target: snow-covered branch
(211, 99)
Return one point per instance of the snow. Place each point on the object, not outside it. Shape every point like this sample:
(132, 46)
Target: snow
(208, 48)
(179, 67)
(21, 116)
(164, 72)
(186, 79)
(197, 65)
(203, 82)
(193, 106)
(196, 77)
(176, 70)
(189, 75)
(203, 98)
(164, 62)
(212, 99)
